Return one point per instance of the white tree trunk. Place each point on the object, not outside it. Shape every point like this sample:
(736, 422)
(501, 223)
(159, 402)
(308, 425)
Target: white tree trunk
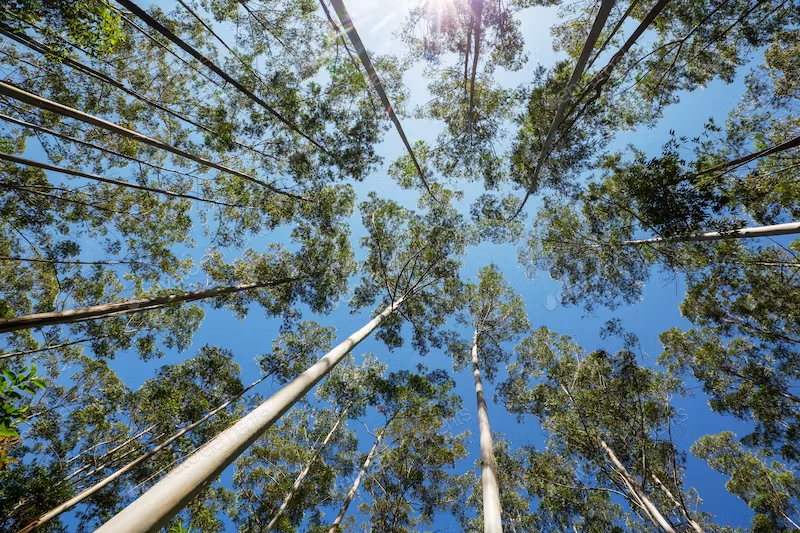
(55, 511)
(650, 508)
(297, 482)
(789, 228)
(694, 525)
(120, 308)
(352, 492)
(492, 517)
(153, 509)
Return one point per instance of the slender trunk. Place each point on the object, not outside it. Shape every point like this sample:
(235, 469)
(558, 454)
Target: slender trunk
(54, 512)
(66, 262)
(597, 82)
(492, 519)
(355, 40)
(120, 308)
(477, 14)
(566, 100)
(54, 107)
(112, 181)
(70, 138)
(297, 482)
(153, 509)
(110, 452)
(790, 228)
(352, 493)
(677, 504)
(655, 515)
(55, 346)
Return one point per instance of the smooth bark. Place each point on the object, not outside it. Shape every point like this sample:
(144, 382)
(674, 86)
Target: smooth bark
(165, 499)
(351, 494)
(492, 517)
(681, 507)
(790, 228)
(54, 107)
(574, 80)
(652, 511)
(120, 308)
(355, 39)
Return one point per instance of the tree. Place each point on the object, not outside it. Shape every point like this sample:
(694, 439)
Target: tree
(497, 316)
(412, 448)
(609, 415)
(770, 489)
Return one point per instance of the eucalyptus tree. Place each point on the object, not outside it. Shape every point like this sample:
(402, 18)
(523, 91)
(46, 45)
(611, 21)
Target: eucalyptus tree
(496, 316)
(266, 475)
(280, 490)
(417, 258)
(91, 439)
(463, 43)
(516, 502)
(610, 416)
(768, 487)
(411, 449)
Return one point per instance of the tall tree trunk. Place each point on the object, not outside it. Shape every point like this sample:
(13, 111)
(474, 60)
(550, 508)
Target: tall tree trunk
(652, 511)
(54, 107)
(477, 20)
(790, 228)
(355, 39)
(55, 511)
(297, 482)
(566, 99)
(153, 509)
(167, 33)
(352, 492)
(120, 308)
(681, 507)
(492, 520)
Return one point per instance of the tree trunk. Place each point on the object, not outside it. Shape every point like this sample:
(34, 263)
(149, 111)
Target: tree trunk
(54, 107)
(297, 482)
(355, 39)
(566, 99)
(112, 181)
(153, 509)
(120, 308)
(678, 504)
(653, 512)
(790, 228)
(55, 511)
(352, 493)
(492, 519)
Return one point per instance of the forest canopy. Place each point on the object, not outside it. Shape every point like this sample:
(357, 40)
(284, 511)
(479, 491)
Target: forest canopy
(451, 265)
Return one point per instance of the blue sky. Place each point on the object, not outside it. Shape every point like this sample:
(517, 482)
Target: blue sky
(657, 312)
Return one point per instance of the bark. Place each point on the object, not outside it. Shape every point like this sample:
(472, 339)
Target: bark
(492, 519)
(355, 39)
(790, 228)
(54, 512)
(54, 107)
(652, 511)
(297, 482)
(352, 492)
(602, 77)
(120, 308)
(153, 509)
(682, 508)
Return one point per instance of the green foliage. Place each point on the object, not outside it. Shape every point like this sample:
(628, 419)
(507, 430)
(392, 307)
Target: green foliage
(13, 389)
